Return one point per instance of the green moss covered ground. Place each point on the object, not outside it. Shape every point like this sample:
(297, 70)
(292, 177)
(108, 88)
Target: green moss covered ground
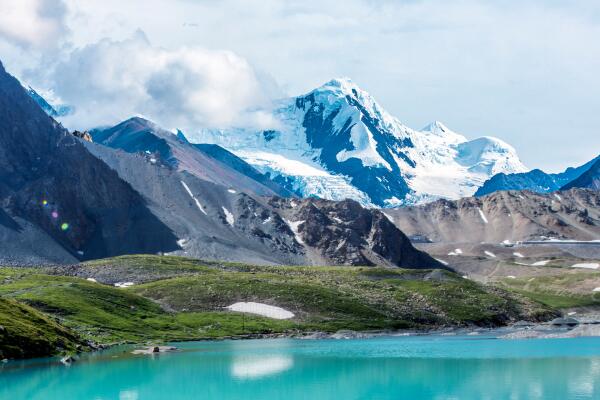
(181, 299)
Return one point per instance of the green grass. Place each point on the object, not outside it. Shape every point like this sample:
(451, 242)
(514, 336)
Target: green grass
(185, 299)
(567, 290)
(26, 332)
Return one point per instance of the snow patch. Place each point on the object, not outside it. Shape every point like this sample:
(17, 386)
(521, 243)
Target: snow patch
(228, 216)
(517, 254)
(586, 265)
(266, 221)
(596, 289)
(541, 263)
(124, 284)
(231, 191)
(557, 197)
(181, 242)
(456, 252)
(261, 309)
(294, 227)
(490, 254)
(187, 189)
(482, 215)
(511, 277)
(91, 280)
(441, 261)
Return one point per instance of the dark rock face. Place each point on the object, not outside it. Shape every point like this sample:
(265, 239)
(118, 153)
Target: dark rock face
(85, 135)
(589, 179)
(345, 233)
(48, 178)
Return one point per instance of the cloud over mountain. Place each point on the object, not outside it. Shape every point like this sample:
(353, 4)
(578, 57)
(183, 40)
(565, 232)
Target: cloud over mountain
(184, 87)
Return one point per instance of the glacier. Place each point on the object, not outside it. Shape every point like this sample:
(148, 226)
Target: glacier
(337, 142)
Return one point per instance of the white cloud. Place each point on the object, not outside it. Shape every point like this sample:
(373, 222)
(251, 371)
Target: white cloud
(32, 22)
(184, 88)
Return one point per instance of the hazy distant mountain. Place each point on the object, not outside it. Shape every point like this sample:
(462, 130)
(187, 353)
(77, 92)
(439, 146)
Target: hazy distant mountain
(337, 142)
(505, 215)
(589, 179)
(535, 180)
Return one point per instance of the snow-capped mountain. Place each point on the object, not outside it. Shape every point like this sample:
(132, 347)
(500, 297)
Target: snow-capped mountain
(337, 142)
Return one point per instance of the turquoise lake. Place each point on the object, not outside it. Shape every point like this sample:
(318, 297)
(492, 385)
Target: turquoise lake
(413, 367)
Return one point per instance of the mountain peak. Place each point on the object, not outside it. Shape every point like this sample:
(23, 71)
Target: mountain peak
(342, 85)
(436, 127)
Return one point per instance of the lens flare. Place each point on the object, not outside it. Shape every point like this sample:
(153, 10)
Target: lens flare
(64, 226)
(54, 214)
(45, 202)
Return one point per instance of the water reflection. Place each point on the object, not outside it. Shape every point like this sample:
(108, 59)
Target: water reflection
(254, 367)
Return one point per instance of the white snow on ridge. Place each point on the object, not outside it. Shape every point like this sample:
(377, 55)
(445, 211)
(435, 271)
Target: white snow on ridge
(228, 216)
(517, 254)
(261, 309)
(482, 215)
(187, 189)
(490, 254)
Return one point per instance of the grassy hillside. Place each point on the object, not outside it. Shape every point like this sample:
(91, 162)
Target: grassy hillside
(26, 332)
(181, 299)
(565, 290)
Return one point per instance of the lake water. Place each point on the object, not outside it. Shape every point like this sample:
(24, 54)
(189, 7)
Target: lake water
(415, 367)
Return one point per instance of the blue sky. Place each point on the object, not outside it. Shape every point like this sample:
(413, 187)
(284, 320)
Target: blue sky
(526, 71)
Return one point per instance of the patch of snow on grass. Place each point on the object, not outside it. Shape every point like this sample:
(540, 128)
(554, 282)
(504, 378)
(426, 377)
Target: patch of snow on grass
(231, 191)
(596, 289)
(490, 254)
(91, 280)
(517, 254)
(511, 277)
(261, 309)
(482, 215)
(187, 189)
(124, 284)
(586, 265)
(541, 263)
(228, 216)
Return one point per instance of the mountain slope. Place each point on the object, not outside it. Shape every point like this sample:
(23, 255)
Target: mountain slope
(505, 216)
(67, 197)
(589, 179)
(137, 135)
(535, 180)
(219, 222)
(336, 142)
